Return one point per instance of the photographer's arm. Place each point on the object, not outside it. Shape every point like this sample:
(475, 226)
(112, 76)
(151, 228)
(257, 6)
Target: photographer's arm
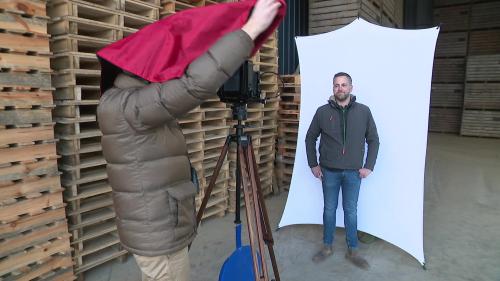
(174, 98)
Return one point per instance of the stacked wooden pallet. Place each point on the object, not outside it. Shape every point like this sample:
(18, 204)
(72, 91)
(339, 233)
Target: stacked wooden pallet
(449, 66)
(34, 238)
(288, 128)
(79, 29)
(205, 129)
(329, 15)
(481, 114)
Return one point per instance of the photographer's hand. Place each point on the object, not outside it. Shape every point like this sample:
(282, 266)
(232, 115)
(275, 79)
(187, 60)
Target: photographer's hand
(262, 16)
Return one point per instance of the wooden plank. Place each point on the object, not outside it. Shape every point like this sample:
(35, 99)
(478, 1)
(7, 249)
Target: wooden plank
(18, 24)
(77, 43)
(29, 186)
(24, 63)
(62, 262)
(24, 44)
(25, 116)
(30, 222)
(85, 27)
(26, 135)
(23, 170)
(36, 236)
(30, 206)
(24, 81)
(482, 96)
(39, 253)
(24, 7)
(26, 99)
(26, 153)
(99, 258)
(481, 123)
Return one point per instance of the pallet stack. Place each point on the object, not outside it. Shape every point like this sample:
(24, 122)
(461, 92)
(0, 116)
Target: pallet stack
(449, 66)
(481, 110)
(79, 29)
(266, 62)
(329, 15)
(34, 238)
(288, 129)
(205, 129)
(465, 95)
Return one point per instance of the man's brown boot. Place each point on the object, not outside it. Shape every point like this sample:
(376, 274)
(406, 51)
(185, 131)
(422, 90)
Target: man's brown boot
(356, 259)
(325, 252)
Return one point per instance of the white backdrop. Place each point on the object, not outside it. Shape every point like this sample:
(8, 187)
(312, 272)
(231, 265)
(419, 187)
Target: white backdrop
(391, 71)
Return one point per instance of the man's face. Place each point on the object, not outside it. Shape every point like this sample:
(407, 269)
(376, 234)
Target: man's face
(341, 88)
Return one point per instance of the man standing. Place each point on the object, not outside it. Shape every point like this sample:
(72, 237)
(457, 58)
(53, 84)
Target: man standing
(148, 165)
(345, 126)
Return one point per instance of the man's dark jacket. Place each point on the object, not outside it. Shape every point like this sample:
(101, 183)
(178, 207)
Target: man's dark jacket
(344, 132)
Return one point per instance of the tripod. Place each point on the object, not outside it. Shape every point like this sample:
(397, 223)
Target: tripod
(247, 177)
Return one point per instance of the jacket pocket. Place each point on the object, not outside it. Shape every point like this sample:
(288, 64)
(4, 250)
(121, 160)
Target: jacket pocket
(183, 209)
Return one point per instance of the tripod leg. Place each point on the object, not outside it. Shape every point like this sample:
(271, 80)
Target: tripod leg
(253, 219)
(268, 236)
(213, 179)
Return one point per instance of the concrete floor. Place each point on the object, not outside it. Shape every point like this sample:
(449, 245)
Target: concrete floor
(461, 231)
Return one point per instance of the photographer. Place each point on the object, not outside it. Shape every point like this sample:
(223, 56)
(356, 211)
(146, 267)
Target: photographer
(148, 165)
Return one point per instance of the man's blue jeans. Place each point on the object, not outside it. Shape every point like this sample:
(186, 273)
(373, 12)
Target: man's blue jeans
(350, 182)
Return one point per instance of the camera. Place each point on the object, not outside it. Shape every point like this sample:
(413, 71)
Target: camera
(242, 87)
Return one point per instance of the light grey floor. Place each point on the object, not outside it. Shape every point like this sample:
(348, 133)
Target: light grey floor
(461, 231)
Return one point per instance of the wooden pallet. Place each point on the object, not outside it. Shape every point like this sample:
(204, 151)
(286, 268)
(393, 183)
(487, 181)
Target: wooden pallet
(447, 95)
(480, 123)
(452, 44)
(445, 120)
(454, 18)
(482, 96)
(449, 70)
(484, 42)
(485, 15)
(485, 68)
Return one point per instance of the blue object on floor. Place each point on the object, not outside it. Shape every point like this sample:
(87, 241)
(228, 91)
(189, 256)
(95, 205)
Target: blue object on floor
(239, 266)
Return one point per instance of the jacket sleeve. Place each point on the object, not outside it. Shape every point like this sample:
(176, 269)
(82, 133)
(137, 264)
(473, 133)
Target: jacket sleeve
(311, 138)
(372, 140)
(159, 103)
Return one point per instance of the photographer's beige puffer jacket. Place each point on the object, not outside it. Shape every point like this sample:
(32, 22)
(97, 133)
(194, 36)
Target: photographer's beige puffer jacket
(148, 167)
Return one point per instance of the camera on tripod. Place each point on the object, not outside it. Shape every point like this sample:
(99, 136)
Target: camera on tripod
(242, 88)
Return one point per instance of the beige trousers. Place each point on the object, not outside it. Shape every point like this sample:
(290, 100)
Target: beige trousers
(173, 267)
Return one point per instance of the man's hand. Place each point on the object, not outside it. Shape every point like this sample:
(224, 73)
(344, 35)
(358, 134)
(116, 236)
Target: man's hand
(364, 172)
(262, 16)
(317, 172)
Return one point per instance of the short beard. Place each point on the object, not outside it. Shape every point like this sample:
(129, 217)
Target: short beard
(341, 98)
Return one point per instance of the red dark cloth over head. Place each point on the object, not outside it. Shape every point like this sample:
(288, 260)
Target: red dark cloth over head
(162, 50)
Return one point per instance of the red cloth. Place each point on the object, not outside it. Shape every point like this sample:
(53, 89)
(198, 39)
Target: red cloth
(161, 51)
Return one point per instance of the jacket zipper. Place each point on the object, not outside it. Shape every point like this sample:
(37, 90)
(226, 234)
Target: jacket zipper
(344, 130)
